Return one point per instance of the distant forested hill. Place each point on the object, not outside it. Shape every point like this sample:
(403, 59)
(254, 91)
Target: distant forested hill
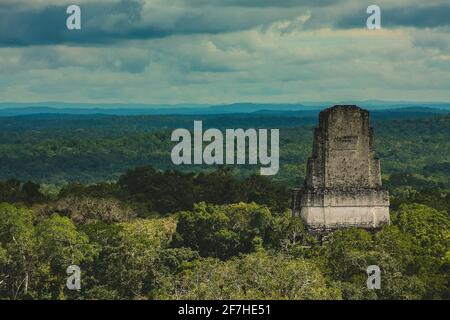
(59, 148)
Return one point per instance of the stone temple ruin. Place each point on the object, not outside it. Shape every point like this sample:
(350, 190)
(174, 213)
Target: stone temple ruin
(342, 187)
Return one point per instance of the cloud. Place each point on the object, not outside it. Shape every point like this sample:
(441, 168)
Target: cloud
(245, 66)
(182, 51)
(109, 22)
(121, 59)
(43, 25)
(262, 3)
(439, 40)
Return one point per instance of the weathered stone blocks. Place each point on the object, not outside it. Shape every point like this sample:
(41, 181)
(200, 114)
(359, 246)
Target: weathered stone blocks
(342, 187)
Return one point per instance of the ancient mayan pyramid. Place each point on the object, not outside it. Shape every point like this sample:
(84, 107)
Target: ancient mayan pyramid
(342, 187)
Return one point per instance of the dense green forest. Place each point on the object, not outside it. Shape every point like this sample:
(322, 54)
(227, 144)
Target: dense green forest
(172, 235)
(98, 192)
(57, 149)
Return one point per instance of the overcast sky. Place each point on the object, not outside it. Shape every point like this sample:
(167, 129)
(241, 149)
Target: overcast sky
(223, 51)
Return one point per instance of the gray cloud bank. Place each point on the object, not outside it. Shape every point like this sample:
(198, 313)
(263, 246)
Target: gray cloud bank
(112, 21)
(128, 19)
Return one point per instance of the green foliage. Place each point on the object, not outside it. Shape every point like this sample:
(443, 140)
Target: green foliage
(262, 256)
(61, 149)
(17, 251)
(254, 276)
(129, 259)
(14, 191)
(429, 227)
(88, 209)
(415, 188)
(33, 259)
(225, 231)
(59, 245)
(411, 254)
(142, 187)
(164, 192)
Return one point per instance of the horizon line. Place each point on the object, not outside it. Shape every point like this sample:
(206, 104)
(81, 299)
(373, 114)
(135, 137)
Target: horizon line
(187, 105)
